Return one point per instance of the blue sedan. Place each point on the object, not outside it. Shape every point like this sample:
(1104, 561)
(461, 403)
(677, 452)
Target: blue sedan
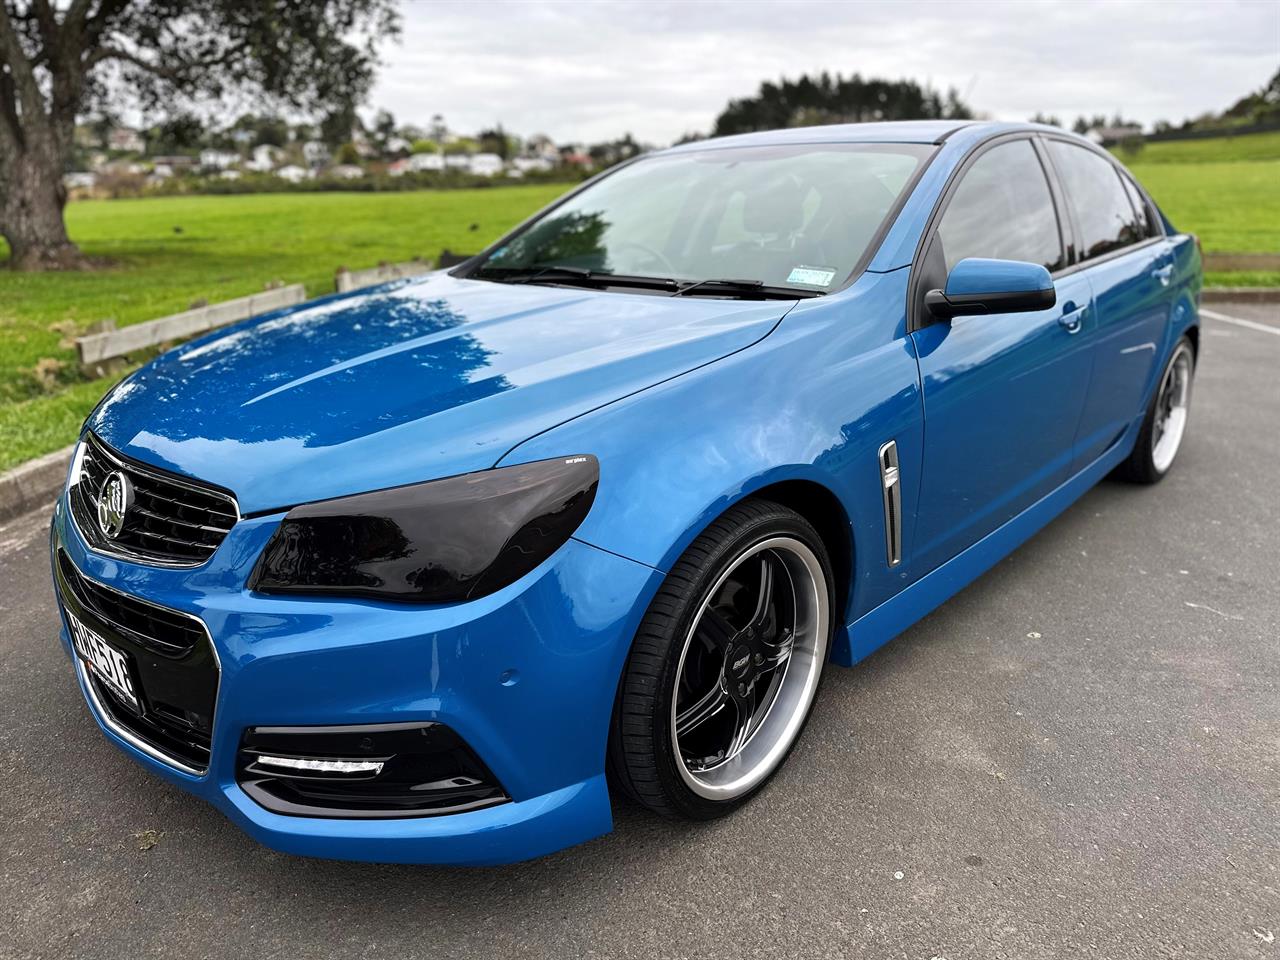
(430, 572)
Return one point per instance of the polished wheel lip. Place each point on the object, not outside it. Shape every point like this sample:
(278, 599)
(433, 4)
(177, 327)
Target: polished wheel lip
(776, 726)
(1173, 403)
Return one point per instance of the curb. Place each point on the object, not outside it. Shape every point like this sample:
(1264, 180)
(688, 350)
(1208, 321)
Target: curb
(1240, 295)
(33, 485)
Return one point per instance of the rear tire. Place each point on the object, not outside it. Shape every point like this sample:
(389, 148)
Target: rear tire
(725, 666)
(1165, 424)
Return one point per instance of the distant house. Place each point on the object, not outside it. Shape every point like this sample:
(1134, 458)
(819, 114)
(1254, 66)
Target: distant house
(265, 157)
(398, 168)
(126, 140)
(1110, 136)
(457, 161)
(540, 164)
(575, 158)
(485, 164)
(540, 145)
(218, 159)
(315, 153)
(423, 162)
(176, 164)
(293, 173)
(80, 181)
(346, 171)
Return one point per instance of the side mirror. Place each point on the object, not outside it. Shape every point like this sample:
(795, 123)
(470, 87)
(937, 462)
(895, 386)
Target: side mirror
(977, 286)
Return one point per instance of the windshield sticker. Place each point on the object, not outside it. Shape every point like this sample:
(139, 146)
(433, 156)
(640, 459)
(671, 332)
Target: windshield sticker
(813, 276)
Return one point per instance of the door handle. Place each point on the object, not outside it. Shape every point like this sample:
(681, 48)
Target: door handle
(1072, 317)
(1163, 274)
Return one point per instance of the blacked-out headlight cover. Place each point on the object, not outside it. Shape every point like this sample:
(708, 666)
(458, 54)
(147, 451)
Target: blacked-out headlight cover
(438, 542)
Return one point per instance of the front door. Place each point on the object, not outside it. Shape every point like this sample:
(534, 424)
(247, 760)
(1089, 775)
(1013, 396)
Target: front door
(1002, 393)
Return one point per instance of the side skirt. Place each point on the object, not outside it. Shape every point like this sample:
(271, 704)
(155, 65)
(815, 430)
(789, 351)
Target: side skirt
(876, 627)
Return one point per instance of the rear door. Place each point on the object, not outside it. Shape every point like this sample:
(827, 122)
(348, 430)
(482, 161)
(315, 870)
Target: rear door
(1002, 393)
(1129, 265)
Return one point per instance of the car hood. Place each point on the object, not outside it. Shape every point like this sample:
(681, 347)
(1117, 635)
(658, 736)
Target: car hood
(406, 382)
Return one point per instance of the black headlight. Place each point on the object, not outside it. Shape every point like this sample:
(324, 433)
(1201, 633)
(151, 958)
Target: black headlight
(439, 542)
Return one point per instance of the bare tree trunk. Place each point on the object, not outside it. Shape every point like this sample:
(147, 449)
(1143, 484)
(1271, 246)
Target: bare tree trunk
(31, 213)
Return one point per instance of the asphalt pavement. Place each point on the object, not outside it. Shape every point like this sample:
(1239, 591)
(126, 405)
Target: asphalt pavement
(1078, 756)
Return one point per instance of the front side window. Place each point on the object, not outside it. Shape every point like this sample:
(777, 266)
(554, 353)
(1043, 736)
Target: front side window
(1104, 216)
(1002, 210)
(795, 216)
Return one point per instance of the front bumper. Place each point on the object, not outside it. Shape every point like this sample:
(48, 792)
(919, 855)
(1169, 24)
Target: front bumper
(526, 677)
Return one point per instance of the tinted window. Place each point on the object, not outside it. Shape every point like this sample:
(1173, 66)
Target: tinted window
(1003, 210)
(1146, 215)
(1105, 217)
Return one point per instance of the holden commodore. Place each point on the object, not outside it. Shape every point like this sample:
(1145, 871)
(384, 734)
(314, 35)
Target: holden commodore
(429, 572)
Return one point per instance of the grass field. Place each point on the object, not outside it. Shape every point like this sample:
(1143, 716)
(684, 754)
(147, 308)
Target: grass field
(167, 253)
(1226, 190)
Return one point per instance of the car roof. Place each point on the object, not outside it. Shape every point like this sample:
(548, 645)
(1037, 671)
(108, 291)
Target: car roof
(898, 131)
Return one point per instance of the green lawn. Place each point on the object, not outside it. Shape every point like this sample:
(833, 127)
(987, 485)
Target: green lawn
(166, 253)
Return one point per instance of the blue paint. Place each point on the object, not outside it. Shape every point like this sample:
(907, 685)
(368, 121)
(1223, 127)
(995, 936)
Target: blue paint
(978, 275)
(690, 405)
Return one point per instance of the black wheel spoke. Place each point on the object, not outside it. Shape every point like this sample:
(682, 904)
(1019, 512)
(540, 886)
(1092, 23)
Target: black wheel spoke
(780, 649)
(742, 724)
(714, 630)
(764, 599)
(706, 707)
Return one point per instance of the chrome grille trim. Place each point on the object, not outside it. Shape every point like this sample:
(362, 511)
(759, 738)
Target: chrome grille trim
(176, 522)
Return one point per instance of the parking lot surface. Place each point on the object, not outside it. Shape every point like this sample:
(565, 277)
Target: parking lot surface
(1079, 755)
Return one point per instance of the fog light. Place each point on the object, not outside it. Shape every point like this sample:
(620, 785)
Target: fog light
(365, 770)
(372, 767)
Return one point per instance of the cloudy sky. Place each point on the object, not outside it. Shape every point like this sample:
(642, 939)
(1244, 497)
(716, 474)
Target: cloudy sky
(593, 69)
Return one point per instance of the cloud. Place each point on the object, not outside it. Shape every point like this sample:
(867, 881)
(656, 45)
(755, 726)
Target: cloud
(594, 70)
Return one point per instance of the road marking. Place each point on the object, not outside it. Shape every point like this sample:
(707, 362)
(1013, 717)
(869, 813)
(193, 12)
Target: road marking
(1251, 324)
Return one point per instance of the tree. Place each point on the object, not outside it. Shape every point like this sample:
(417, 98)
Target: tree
(59, 60)
(829, 98)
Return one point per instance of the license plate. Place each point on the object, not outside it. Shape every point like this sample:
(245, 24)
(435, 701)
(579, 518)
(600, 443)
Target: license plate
(108, 663)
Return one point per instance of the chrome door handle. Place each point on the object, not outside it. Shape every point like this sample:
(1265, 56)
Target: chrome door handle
(1163, 274)
(1072, 317)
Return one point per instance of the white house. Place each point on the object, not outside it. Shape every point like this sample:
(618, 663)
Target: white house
(125, 139)
(315, 153)
(293, 173)
(457, 161)
(530, 164)
(346, 171)
(265, 157)
(485, 164)
(422, 162)
(218, 159)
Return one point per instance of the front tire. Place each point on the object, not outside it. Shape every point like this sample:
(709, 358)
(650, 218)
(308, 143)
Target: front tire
(1166, 421)
(725, 666)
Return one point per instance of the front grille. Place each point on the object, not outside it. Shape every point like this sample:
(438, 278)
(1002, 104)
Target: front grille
(157, 628)
(172, 664)
(172, 521)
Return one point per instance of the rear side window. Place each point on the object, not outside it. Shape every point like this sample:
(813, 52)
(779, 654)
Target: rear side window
(1146, 216)
(1106, 219)
(1002, 209)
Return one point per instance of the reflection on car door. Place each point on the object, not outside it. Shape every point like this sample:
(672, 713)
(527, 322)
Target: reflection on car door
(1129, 265)
(1002, 393)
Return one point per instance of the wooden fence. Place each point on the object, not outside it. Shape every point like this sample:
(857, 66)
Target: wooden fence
(95, 348)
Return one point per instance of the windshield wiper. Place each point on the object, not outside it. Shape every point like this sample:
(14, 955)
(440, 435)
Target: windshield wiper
(748, 289)
(580, 276)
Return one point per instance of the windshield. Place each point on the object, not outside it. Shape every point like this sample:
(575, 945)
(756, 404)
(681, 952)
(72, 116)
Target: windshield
(796, 216)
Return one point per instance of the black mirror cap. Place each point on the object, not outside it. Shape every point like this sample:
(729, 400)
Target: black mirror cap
(943, 307)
